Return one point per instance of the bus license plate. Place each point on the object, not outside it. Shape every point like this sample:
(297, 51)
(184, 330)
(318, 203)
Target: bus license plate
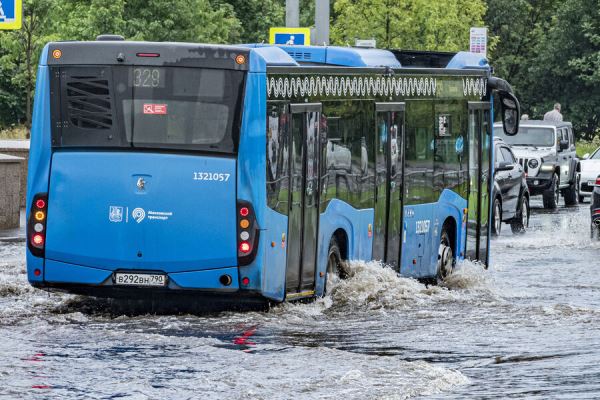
(123, 278)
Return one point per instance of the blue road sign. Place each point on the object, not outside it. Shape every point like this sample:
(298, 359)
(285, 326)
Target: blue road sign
(10, 14)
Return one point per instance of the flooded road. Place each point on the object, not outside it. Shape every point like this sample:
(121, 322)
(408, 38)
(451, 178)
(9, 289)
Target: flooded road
(529, 327)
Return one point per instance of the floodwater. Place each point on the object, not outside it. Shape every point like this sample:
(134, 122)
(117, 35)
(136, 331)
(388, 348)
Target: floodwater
(529, 327)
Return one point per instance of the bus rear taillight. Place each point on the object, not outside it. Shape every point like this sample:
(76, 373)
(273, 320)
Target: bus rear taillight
(247, 233)
(245, 247)
(36, 226)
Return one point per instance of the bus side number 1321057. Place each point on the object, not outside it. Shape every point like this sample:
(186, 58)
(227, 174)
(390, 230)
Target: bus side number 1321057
(211, 176)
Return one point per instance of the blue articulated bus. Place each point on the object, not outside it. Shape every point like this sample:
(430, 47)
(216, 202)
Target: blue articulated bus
(254, 171)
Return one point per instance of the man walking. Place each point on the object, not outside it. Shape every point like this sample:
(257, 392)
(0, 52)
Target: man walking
(554, 115)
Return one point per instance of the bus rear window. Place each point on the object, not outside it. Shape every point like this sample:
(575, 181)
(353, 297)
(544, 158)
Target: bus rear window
(150, 107)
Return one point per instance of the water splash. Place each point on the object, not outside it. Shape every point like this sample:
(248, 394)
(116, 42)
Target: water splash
(371, 285)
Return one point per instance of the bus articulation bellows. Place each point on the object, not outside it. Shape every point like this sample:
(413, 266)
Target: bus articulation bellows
(254, 170)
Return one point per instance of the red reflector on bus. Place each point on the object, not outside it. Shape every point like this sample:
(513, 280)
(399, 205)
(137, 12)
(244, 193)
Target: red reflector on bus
(40, 203)
(245, 281)
(148, 55)
(37, 272)
(37, 239)
(245, 247)
(244, 211)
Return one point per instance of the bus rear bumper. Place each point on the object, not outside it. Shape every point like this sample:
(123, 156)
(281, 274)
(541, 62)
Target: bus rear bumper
(60, 274)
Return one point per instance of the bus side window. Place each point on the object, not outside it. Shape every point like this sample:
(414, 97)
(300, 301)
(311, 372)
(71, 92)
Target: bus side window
(277, 156)
(420, 145)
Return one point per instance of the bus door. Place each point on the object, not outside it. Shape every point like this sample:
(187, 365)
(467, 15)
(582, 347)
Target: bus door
(479, 181)
(303, 218)
(389, 162)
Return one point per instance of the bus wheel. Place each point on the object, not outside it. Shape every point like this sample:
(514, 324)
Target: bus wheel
(496, 217)
(446, 258)
(335, 269)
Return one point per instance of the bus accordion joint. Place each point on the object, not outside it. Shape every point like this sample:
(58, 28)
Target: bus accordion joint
(36, 226)
(247, 233)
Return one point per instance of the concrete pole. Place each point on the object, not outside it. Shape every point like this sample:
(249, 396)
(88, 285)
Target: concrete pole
(292, 13)
(321, 22)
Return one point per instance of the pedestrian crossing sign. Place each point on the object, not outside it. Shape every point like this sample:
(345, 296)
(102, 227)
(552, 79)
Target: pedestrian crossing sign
(11, 12)
(289, 36)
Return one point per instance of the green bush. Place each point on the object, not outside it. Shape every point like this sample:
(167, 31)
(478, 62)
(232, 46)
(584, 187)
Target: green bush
(14, 132)
(584, 147)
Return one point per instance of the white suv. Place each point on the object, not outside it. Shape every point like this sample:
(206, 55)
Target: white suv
(546, 150)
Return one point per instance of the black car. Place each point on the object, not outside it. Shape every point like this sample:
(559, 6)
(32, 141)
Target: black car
(595, 209)
(510, 192)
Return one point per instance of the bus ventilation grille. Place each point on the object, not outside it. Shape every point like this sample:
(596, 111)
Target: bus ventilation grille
(89, 103)
(297, 55)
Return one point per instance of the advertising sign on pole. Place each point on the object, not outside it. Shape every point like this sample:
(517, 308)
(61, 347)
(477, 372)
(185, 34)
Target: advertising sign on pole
(478, 41)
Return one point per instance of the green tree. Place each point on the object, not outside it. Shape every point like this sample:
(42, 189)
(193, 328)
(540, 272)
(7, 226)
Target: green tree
(86, 19)
(151, 20)
(19, 54)
(414, 24)
(567, 66)
(181, 20)
(517, 27)
(256, 17)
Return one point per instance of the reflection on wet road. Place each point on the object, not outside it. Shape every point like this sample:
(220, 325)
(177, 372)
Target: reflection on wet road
(527, 328)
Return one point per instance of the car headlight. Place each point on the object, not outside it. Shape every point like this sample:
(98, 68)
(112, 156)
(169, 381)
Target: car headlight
(547, 168)
(533, 163)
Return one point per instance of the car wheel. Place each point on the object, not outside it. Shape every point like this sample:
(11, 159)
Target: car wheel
(551, 195)
(571, 194)
(496, 217)
(446, 259)
(521, 221)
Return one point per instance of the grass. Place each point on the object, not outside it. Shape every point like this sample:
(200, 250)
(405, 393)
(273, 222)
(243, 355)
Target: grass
(584, 147)
(14, 132)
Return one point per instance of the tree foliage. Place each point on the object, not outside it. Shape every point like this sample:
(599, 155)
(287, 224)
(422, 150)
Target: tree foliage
(19, 54)
(550, 52)
(153, 20)
(414, 24)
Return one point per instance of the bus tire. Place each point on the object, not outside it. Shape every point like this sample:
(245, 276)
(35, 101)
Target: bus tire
(496, 217)
(551, 195)
(335, 266)
(520, 223)
(446, 259)
(571, 193)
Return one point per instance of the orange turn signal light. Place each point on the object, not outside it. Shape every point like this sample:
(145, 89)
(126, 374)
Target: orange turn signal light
(244, 223)
(39, 216)
(240, 59)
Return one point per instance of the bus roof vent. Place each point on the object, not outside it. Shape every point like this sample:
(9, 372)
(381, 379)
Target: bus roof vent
(89, 102)
(300, 55)
(110, 38)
